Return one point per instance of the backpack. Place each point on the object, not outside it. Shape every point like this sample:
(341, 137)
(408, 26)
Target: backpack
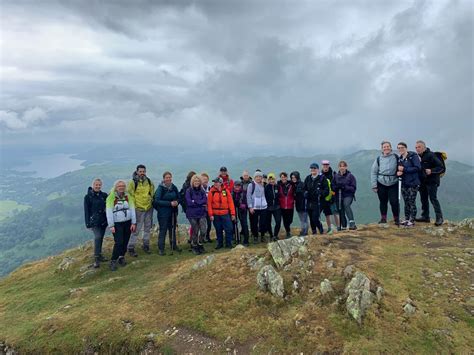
(149, 184)
(442, 156)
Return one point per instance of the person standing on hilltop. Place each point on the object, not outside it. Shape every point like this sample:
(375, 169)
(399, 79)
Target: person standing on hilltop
(345, 186)
(207, 187)
(317, 189)
(384, 180)
(122, 221)
(239, 195)
(286, 192)
(431, 169)
(227, 182)
(141, 189)
(409, 168)
(221, 210)
(300, 202)
(246, 180)
(196, 201)
(257, 205)
(95, 217)
(272, 196)
(329, 205)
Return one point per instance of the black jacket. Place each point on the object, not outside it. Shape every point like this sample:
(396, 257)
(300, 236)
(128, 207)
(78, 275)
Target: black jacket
(94, 208)
(317, 189)
(163, 198)
(272, 196)
(430, 161)
(300, 198)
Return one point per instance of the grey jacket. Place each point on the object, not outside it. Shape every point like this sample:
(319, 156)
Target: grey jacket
(256, 199)
(386, 173)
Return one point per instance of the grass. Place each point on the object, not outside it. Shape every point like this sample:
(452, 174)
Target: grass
(39, 312)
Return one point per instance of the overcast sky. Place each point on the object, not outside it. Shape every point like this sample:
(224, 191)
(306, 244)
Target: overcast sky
(272, 76)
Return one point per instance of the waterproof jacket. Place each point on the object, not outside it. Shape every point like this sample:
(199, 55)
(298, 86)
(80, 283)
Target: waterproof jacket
(317, 190)
(143, 193)
(220, 203)
(430, 161)
(256, 196)
(164, 195)
(286, 193)
(384, 170)
(345, 184)
(94, 208)
(120, 208)
(228, 183)
(245, 184)
(300, 196)
(411, 169)
(196, 201)
(272, 195)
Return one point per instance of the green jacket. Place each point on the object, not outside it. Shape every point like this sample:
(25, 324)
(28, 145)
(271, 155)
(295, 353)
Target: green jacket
(143, 195)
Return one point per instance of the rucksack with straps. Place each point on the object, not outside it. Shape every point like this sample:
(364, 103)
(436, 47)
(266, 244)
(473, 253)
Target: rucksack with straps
(149, 184)
(442, 156)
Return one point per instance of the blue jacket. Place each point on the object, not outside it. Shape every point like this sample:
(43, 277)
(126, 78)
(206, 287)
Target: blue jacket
(163, 198)
(196, 201)
(411, 169)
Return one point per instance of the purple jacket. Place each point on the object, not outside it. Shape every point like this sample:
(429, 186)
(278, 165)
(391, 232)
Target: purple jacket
(345, 183)
(196, 201)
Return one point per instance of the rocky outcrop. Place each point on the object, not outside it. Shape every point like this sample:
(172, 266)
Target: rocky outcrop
(283, 251)
(359, 297)
(269, 280)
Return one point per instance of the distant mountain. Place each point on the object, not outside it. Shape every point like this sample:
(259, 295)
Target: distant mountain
(55, 220)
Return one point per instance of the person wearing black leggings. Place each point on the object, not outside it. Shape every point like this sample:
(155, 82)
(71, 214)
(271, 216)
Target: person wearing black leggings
(316, 188)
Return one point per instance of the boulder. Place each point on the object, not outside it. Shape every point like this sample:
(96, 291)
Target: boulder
(255, 262)
(268, 279)
(204, 262)
(66, 263)
(326, 287)
(359, 297)
(283, 251)
(467, 223)
(349, 271)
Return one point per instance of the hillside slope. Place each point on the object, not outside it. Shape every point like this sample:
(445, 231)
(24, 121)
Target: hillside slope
(172, 304)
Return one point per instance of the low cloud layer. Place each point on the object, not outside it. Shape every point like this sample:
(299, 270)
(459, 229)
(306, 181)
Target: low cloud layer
(276, 77)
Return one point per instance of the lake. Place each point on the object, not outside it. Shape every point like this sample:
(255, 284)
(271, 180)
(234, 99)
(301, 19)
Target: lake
(51, 165)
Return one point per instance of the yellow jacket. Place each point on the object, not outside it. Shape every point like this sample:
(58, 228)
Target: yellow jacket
(143, 194)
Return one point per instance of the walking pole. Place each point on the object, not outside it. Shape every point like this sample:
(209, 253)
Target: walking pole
(340, 209)
(399, 198)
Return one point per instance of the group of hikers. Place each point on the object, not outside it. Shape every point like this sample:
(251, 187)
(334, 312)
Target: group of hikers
(234, 206)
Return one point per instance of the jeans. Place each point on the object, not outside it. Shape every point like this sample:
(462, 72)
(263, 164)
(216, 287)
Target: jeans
(221, 224)
(303, 216)
(145, 222)
(277, 217)
(99, 233)
(386, 194)
(314, 213)
(244, 227)
(430, 191)
(199, 228)
(409, 197)
(346, 211)
(287, 215)
(166, 225)
(121, 238)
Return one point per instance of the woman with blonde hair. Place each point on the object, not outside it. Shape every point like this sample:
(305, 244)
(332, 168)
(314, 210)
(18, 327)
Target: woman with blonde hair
(121, 218)
(196, 201)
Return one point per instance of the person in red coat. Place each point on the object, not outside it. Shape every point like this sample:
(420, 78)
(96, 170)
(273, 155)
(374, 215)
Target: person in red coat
(227, 182)
(287, 201)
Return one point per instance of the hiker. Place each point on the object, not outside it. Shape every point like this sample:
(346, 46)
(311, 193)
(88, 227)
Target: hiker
(286, 192)
(227, 182)
(345, 186)
(240, 203)
(246, 180)
(272, 196)
(221, 210)
(166, 202)
(257, 205)
(384, 182)
(329, 205)
(95, 217)
(196, 201)
(122, 221)
(431, 169)
(300, 202)
(184, 188)
(141, 189)
(409, 168)
(207, 187)
(317, 188)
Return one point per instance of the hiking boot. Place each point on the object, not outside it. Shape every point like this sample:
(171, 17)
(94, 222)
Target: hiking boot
(113, 265)
(255, 240)
(423, 220)
(146, 249)
(201, 249)
(195, 250)
(219, 246)
(352, 226)
(132, 252)
(329, 231)
(396, 221)
(161, 253)
(321, 231)
(439, 221)
(96, 262)
(121, 261)
(409, 224)
(383, 221)
(102, 258)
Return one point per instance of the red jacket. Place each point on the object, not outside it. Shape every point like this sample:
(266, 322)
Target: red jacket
(287, 201)
(228, 183)
(220, 203)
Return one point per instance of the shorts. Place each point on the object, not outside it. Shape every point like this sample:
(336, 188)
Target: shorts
(329, 208)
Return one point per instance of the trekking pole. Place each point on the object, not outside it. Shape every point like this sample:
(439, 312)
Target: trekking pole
(174, 222)
(237, 235)
(340, 209)
(399, 198)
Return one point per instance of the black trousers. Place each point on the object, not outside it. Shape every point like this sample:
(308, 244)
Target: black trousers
(430, 192)
(244, 226)
(121, 238)
(258, 222)
(314, 211)
(287, 215)
(388, 194)
(209, 226)
(276, 214)
(166, 226)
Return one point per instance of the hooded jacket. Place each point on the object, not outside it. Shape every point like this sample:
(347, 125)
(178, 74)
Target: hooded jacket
(300, 198)
(196, 201)
(220, 203)
(143, 194)
(286, 195)
(120, 209)
(411, 169)
(94, 208)
(164, 195)
(384, 170)
(346, 184)
(272, 195)
(256, 196)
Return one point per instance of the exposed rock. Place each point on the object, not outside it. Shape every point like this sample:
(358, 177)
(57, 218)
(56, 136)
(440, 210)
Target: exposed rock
(87, 274)
(66, 263)
(349, 271)
(438, 274)
(330, 264)
(379, 293)
(238, 247)
(86, 267)
(283, 251)
(204, 262)
(268, 279)
(326, 287)
(128, 325)
(467, 222)
(409, 309)
(437, 232)
(255, 262)
(359, 297)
